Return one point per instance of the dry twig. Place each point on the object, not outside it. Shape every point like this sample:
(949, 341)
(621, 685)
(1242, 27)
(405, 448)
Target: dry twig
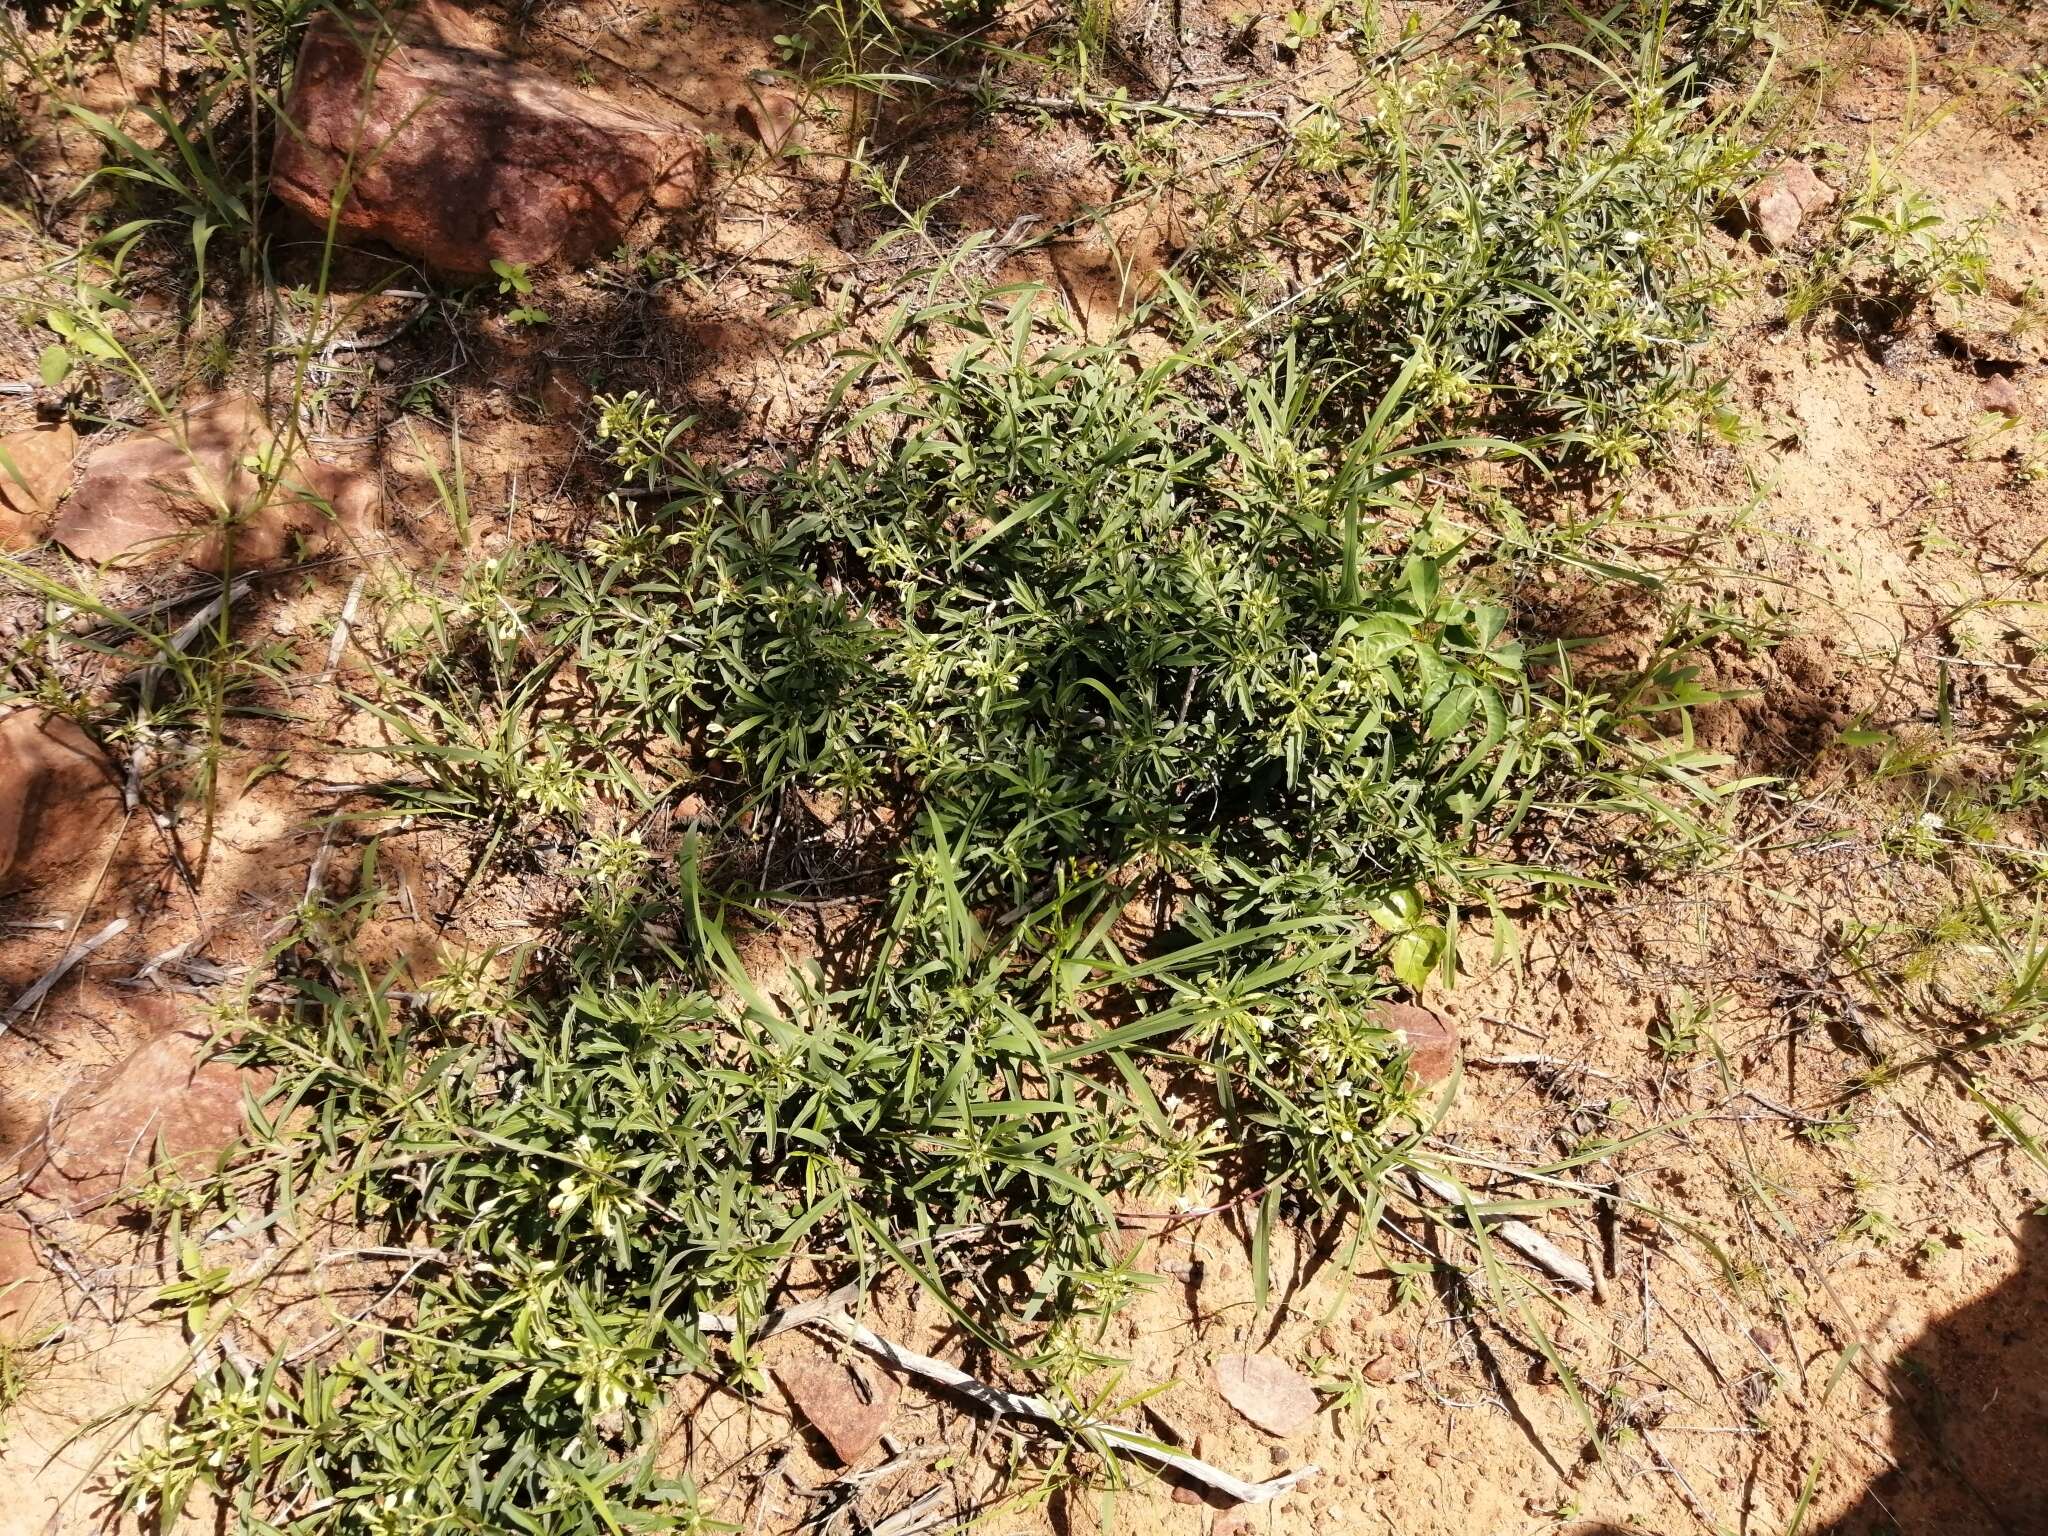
(1518, 1235)
(56, 973)
(828, 1313)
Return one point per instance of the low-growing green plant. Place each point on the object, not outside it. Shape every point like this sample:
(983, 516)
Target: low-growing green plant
(1541, 269)
(1190, 719)
(1684, 1028)
(1165, 636)
(1095, 624)
(1165, 714)
(1891, 248)
(646, 1136)
(582, 1154)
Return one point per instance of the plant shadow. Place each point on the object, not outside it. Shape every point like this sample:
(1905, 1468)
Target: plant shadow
(1969, 1440)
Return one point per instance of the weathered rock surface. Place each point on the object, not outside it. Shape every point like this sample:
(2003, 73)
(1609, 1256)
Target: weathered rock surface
(34, 472)
(204, 485)
(1269, 1392)
(1432, 1043)
(848, 1404)
(164, 1106)
(25, 1286)
(2001, 393)
(457, 154)
(58, 794)
(770, 119)
(1780, 203)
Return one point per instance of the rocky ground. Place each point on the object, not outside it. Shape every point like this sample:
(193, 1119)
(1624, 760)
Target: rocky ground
(1787, 1328)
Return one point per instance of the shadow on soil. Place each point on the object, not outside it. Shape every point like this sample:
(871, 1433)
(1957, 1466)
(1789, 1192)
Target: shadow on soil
(1969, 1441)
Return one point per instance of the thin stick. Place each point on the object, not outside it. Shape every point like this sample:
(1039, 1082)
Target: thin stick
(1518, 1235)
(1018, 1405)
(57, 972)
(1003, 99)
(348, 614)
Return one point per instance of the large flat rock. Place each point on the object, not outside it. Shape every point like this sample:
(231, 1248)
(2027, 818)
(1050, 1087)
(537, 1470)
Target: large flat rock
(167, 1107)
(58, 796)
(212, 484)
(457, 154)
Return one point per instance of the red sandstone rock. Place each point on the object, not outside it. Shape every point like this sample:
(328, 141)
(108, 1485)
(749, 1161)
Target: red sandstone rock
(165, 1106)
(458, 155)
(1269, 1392)
(57, 796)
(35, 468)
(2001, 393)
(771, 119)
(205, 485)
(1188, 1492)
(1432, 1043)
(848, 1404)
(1780, 202)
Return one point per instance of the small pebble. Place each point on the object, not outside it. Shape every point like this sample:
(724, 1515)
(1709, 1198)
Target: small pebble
(2001, 394)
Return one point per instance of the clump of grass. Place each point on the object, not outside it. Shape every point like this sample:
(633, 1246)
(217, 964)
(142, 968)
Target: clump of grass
(1093, 634)
(23, 1362)
(1541, 266)
(1891, 249)
(1173, 626)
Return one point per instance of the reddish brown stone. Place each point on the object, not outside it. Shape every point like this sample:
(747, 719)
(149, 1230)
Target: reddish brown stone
(35, 468)
(1184, 1491)
(204, 485)
(166, 1106)
(1269, 1392)
(1431, 1042)
(848, 1404)
(57, 796)
(457, 154)
(1780, 202)
(25, 1286)
(771, 119)
(2001, 393)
